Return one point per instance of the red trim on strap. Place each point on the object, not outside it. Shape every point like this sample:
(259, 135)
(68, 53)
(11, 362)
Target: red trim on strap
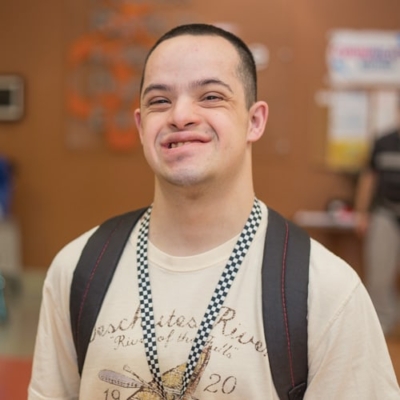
(285, 315)
(103, 250)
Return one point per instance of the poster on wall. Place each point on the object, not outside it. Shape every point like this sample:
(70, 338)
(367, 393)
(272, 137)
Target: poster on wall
(104, 70)
(364, 58)
(348, 129)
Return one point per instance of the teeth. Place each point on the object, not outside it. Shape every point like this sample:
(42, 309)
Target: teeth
(177, 144)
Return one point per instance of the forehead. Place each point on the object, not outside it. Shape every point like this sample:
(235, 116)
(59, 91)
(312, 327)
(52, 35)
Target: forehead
(184, 58)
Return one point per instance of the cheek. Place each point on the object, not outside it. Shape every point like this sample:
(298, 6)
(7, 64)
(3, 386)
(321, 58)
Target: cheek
(147, 143)
(149, 146)
(149, 155)
(152, 124)
(232, 131)
(147, 132)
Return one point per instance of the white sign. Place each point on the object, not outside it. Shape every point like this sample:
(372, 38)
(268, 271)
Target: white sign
(364, 57)
(348, 117)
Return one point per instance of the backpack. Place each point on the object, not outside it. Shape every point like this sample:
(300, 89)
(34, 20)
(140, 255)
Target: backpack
(285, 272)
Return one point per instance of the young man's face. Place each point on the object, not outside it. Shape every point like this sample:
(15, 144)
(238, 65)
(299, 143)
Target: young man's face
(193, 120)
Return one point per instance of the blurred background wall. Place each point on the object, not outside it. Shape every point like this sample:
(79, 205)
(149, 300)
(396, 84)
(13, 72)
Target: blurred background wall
(61, 190)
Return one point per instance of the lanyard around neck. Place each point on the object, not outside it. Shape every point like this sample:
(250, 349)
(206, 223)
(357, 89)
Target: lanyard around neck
(146, 303)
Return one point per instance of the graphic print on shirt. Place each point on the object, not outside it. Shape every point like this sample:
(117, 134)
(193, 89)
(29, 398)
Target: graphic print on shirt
(226, 337)
(223, 369)
(172, 381)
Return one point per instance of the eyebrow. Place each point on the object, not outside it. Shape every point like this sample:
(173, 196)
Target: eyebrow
(156, 86)
(195, 84)
(210, 81)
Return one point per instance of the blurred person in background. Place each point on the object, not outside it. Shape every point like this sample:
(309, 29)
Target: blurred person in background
(377, 204)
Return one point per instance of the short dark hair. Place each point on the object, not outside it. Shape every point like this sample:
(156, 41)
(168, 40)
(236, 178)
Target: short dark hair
(246, 69)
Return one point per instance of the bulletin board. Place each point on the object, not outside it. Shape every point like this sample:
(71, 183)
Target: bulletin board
(363, 97)
(104, 71)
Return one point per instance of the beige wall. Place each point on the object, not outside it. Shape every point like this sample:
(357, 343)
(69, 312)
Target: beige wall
(60, 193)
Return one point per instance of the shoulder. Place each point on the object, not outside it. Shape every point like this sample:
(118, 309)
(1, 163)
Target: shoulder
(332, 280)
(388, 141)
(326, 268)
(335, 290)
(69, 255)
(65, 261)
(59, 275)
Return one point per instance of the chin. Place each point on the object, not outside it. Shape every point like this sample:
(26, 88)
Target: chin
(186, 179)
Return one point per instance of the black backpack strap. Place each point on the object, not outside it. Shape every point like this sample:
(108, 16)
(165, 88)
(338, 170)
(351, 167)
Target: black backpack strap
(285, 293)
(93, 275)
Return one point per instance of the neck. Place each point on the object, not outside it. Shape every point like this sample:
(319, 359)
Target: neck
(186, 223)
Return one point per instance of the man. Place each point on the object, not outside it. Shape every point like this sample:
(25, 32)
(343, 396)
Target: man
(197, 121)
(378, 206)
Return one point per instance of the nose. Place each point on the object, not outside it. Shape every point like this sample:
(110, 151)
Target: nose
(183, 113)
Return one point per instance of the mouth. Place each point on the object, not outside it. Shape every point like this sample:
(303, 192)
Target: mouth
(174, 145)
(180, 139)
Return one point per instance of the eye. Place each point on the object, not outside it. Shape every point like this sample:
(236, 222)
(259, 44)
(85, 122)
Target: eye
(157, 101)
(212, 97)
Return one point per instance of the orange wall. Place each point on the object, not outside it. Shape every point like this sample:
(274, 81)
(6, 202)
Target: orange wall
(61, 192)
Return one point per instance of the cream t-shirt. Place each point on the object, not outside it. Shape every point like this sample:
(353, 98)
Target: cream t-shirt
(348, 358)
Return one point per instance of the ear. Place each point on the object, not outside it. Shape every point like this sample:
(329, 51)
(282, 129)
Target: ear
(138, 122)
(258, 115)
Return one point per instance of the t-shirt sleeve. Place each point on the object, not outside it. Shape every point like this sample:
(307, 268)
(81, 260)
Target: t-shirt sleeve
(55, 373)
(348, 355)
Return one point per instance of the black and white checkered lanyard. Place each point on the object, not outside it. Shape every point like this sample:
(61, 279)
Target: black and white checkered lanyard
(218, 298)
